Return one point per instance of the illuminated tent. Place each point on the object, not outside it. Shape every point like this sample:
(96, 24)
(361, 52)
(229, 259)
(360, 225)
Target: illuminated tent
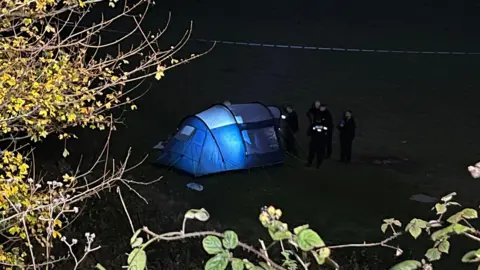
(225, 138)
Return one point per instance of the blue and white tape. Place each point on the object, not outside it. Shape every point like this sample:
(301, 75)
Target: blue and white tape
(314, 48)
(334, 49)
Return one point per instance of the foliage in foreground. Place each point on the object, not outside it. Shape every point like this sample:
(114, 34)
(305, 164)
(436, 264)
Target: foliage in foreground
(51, 78)
(302, 247)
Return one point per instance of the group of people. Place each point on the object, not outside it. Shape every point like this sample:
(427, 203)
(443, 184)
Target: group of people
(320, 131)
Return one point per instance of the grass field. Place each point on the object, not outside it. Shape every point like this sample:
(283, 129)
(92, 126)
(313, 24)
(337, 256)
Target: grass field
(419, 108)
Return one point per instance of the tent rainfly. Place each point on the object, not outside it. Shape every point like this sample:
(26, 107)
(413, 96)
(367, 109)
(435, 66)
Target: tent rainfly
(225, 138)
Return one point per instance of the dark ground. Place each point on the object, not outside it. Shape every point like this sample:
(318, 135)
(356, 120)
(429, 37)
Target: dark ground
(417, 107)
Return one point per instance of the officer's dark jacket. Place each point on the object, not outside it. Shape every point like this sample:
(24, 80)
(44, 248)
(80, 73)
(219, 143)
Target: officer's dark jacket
(313, 114)
(327, 118)
(292, 121)
(347, 132)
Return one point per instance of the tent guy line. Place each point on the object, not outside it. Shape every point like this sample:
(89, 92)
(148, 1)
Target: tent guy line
(312, 48)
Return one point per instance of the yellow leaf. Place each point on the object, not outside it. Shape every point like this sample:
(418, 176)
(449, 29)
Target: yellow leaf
(114, 78)
(81, 3)
(108, 105)
(174, 61)
(27, 21)
(58, 223)
(23, 169)
(67, 178)
(13, 230)
(50, 29)
(111, 4)
(56, 234)
(159, 75)
(71, 117)
(133, 107)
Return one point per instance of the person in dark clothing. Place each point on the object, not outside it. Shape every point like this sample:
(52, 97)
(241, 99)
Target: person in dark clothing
(316, 148)
(314, 112)
(347, 128)
(291, 127)
(327, 121)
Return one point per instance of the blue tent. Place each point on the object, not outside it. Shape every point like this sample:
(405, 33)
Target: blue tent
(225, 138)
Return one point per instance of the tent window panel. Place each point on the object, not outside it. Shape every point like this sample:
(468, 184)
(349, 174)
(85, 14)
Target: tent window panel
(185, 133)
(261, 141)
(250, 113)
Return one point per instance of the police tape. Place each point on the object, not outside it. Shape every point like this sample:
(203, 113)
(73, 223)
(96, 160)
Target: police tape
(311, 48)
(335, 49)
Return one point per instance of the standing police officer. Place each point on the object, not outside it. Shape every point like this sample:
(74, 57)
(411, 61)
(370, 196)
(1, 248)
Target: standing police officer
(317, 142)
(291, 127)
(327, 121)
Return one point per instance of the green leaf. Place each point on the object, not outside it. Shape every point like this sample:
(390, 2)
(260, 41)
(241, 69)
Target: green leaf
(415, 231)
(433, 254)
(455, 218)
(397, 223)
(199, 214)
(317, 257)
(459, 229)
(190, 214)
(202, 215)
(137, 260)
(308, 239)
(453, 203)
(217, 262)
(442, 233)
(212, 245)
(469, 213)
(230, 239)
(384, 227)
(280, 235)
(422, 224)
(441, 208)
(134, 237)
(324, 252)
(471, 257)
(279, 231)
(137, 242)
(299, 229)
(448, 197)
(415, 226)
(237, 264)
(248, 264)
(100, 267)
(444, 246)
(265, 266)
(407, 265)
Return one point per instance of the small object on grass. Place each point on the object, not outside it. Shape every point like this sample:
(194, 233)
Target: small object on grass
(159, 146)
(195, 186)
